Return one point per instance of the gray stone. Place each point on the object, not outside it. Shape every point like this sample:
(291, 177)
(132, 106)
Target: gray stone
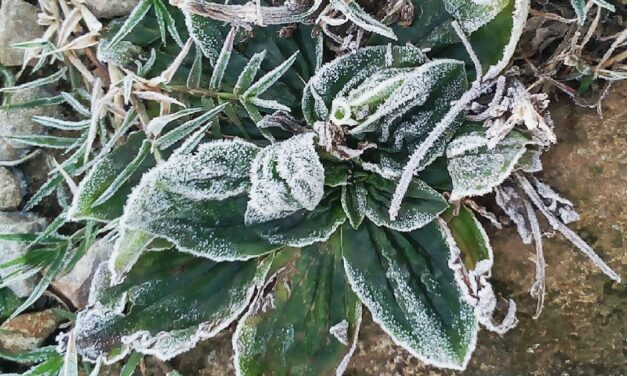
(18, 122)
(75, 284)
(18, 223)
(111, 8)
(10, 192)
(18, 23)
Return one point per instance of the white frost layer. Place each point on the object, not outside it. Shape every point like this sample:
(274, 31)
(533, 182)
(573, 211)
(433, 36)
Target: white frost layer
(285, 177)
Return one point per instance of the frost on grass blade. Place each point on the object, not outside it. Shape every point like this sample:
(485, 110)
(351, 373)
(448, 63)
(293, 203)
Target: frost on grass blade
(104, 172)
(197, 201)
(173, 301)
(405, 281)
(285, 177)
(304, 321)
(422, 204)
(475, 168)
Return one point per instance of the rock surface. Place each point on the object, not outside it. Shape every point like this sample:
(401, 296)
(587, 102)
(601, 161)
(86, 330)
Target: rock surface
(75, 284)
(18, 122)
(10, 190)
(111, 8)
(28, 331)
(18, 23)
(18, 223)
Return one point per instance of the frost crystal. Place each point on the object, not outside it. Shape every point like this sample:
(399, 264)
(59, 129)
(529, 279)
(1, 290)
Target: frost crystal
(285, 177)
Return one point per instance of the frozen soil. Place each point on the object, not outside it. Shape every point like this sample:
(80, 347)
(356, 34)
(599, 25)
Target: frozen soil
(583, 328)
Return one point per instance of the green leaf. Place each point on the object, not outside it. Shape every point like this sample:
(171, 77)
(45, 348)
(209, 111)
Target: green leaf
(422, 204)
(197, 202)
(222, 62)
(285, 177)
(306, 319)
(249, 73)
(8, 303)
(50, 101)
(61, 124)
(206, 34)
(265, 82)
(333, 77)
(471, 238)
(131, 364)
(405, 281)
(104, 173)
(42, 285)
(51, 142)
(50, 367)
(175, 301)
(53, 78)
(136, 16)
(70, 360)
(475, 168)
(354, 203)
(36, 355)
(125, 174)
(177, 134)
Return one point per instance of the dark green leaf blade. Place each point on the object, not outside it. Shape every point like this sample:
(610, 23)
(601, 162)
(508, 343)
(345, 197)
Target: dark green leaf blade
(174, 300)
(405, 281)
(306, 322)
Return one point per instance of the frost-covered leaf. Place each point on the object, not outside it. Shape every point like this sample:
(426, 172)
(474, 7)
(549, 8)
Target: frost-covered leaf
(172, 301)
(475, 168)
(405, 281)
(285, 177)
(197, 201)
(306, 319)
(103, 174)
(136, 16)
(422, 204)
(305, 227)
(352, 69)
(265, 82)
(354, 203)
(206, 33)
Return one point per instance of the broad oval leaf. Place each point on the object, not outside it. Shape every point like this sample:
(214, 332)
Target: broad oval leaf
(170, 302)
(405, 281)
(285, 177)
(476, 169)
(197, 201)
(306, 319)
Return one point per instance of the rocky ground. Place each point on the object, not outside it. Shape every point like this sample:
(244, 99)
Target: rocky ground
(582, 330)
